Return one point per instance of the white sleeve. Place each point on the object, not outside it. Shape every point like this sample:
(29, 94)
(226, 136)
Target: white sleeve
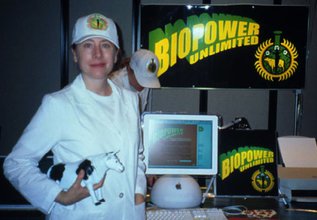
(21, 165)
(141, 179)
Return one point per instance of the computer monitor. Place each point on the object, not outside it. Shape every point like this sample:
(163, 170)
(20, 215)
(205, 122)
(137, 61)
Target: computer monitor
(180, 144)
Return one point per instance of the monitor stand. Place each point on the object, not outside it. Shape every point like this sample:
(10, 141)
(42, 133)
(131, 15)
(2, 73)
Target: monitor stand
(176, 191)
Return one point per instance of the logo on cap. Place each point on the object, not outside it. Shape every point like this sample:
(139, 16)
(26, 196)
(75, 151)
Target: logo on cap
(97, 22)
(152, 66)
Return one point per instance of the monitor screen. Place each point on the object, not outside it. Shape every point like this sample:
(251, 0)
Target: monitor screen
(180, 144)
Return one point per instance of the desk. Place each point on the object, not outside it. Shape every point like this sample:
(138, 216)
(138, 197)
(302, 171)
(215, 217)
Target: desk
(250, 203)
(267, 203)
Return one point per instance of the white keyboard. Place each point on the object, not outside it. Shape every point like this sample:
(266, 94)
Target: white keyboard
(186, 214)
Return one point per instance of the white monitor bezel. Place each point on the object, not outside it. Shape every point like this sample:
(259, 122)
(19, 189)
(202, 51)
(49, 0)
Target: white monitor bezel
(181, 171)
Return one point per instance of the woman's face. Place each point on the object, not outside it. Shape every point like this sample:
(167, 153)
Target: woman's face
(95, 57)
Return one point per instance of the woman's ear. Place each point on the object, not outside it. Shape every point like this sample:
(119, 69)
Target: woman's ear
(116, 58)
(75, 58)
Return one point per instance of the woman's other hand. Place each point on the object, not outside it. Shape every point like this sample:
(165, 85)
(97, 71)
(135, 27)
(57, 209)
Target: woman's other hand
(76, 192)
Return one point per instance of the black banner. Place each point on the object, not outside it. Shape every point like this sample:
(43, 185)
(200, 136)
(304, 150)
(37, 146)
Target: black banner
(247, 163)
(233, 46)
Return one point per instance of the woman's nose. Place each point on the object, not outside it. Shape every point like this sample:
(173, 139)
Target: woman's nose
(97, 52)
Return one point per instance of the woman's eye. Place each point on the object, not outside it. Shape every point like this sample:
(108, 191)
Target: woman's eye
(87, 45)
(106, 45)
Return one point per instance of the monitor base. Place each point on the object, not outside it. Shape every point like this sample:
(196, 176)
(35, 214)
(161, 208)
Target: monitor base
(176, 191)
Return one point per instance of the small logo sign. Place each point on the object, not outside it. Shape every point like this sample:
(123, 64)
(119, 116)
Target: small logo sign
(276, 60)
(152, 67)
(178, 186)
(97, 22)
(262, 180)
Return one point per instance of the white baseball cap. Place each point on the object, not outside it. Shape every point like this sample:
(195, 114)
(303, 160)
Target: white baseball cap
(145, 66)
(95, 25)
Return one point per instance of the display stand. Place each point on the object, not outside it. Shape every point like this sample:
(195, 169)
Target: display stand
(176, 191)
(179, 191)
(206, 193)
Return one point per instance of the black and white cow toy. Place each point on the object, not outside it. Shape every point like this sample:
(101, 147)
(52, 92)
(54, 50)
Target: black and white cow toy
(95, 167)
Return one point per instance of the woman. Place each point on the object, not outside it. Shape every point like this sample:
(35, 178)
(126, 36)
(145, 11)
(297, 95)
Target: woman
(89, 117)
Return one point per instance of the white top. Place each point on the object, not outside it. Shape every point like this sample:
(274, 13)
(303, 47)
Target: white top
(75, 123)
(120, 78)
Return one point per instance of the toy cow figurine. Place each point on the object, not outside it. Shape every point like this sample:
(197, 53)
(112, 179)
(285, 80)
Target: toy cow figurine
(95, 167)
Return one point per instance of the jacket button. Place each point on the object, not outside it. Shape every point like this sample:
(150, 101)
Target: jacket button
(121, 195)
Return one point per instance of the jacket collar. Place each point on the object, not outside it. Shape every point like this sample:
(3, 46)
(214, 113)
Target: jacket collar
(82, 97)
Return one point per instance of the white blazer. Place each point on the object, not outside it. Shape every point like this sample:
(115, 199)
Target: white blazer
(75, 123)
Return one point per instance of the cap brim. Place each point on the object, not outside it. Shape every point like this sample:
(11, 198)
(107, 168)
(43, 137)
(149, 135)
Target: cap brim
(79, 41)
(149, 83)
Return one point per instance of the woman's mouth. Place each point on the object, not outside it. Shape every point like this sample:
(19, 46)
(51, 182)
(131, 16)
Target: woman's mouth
(97, 65)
